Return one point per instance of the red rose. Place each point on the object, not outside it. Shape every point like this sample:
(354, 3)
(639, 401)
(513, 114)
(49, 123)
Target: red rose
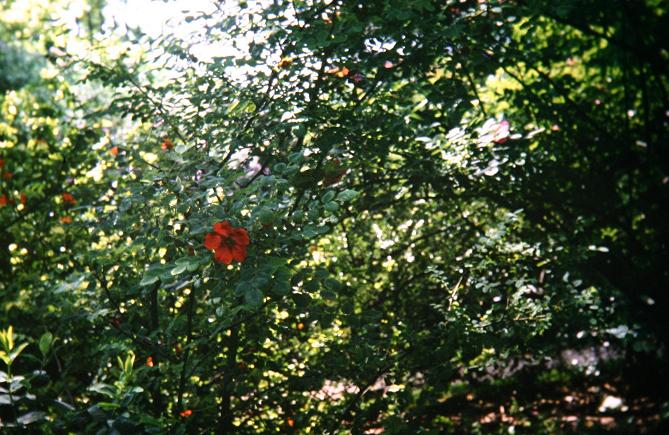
(227, 243)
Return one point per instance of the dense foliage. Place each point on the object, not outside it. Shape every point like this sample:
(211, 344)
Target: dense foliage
(374, 217)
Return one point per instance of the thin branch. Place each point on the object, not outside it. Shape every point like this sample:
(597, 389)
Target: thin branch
(189, 339)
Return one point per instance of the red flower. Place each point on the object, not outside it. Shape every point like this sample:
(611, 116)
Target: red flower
(24, 198)
(167, 145)
(227, 242)
(186, 413)
(69, 198)
(114, 151)
(149, 362)
(66, 219)
(3, 200)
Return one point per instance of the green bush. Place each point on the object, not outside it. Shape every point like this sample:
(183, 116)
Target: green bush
(378, 216)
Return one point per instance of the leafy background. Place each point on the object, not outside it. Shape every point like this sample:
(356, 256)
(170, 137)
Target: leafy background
(457, 214)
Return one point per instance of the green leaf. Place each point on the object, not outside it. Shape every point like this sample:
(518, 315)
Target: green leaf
(129, 362)
(347, 195)
(250, 107)
(45, 342)
(266, 216)
(10, 337)
(321, 273)
(179, 269)
(304, 179)
(332, 284)
(190, 263)
(253, 297)
(329, 196)
(311, 285)
(97, 413)
(200, 230)
(148, 280)
(310, 231)
(233, 106)
(31, 417)
(240, 288)
(301, 299)
(296, 157)
(298, 216)
(328, 294)
(17, 351)
(282, 288)
(261, 281)
(104, 389)
(109, 406)
(332, 206)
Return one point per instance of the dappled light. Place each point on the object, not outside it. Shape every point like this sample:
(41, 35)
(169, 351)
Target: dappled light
(334, 217)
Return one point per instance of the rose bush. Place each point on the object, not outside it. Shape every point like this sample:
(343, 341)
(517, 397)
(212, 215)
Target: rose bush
(416, 211)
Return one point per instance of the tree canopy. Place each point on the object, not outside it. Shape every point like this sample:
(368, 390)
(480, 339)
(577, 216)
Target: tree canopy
(363, 217)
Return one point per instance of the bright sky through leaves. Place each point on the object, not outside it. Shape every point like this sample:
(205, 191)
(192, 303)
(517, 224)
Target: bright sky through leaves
(156, 18)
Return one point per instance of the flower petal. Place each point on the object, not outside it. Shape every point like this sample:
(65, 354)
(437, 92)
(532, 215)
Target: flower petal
(212, 241)
(239, 253)
(223, 228)
(240, 236)
(223, 255)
